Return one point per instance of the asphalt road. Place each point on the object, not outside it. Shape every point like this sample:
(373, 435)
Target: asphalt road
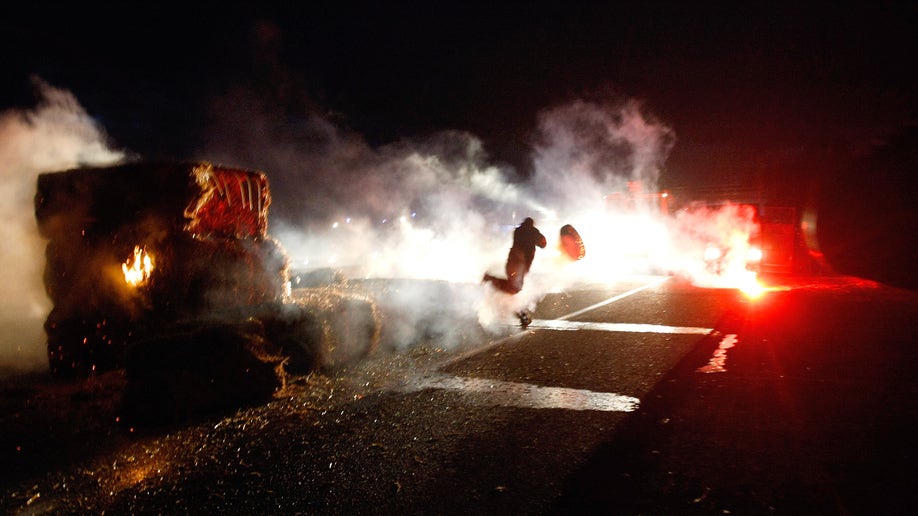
(810, 412)
(644, 397)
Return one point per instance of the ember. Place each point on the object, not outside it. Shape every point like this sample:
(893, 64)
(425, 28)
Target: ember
(138, 268)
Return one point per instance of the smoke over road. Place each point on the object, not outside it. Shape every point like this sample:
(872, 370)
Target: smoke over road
(436, 207)
(57, 134)
(431, 208)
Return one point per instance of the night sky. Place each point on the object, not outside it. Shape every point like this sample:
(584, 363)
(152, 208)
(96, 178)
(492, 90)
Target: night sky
(746, 90)
(773, 98)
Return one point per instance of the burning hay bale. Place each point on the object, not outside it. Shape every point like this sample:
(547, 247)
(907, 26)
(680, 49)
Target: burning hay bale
(147, 244)
(168, 271)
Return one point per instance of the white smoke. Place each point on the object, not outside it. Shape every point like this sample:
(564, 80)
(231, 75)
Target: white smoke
(434, 207)
(430, 208)
(586, 150)
(57, 134)
(589, 147)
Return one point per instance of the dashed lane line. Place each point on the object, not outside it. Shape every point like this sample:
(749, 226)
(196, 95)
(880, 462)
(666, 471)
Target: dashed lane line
(560, 325)
(515, 394)
(504, 393)
(462, 356)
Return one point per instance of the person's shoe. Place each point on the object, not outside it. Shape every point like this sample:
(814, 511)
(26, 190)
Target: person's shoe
(525, 320)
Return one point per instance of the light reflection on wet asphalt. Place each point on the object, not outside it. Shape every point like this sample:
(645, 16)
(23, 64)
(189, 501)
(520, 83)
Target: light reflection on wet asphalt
(719, 359)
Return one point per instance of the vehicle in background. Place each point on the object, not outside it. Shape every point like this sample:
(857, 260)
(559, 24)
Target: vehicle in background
(718, 239)
(652, 231)
(734, 237)
(779, 239)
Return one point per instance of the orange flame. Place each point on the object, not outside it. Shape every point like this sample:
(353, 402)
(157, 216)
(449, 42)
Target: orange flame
(138, 268)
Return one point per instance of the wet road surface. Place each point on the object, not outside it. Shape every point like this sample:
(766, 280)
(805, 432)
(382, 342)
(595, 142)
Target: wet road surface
(804, 406)
(650, 397)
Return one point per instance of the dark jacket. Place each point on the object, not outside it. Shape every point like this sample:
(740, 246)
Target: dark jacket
(525, 239)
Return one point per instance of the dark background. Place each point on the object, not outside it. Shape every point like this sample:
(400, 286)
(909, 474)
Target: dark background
(810, 106)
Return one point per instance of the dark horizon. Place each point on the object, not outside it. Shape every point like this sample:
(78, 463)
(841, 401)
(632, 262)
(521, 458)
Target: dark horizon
(744, 89)
(784, 101)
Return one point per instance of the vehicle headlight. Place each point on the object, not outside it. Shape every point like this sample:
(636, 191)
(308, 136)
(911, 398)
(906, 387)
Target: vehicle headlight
(712, 253)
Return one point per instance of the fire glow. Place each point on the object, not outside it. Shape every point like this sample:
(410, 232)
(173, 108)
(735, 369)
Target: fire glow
(751, 287)
(137, 268)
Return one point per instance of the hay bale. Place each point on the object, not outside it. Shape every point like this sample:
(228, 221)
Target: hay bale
(348, 325)
(192, 370)
(422, 312)
(204, 226)
(195, 197)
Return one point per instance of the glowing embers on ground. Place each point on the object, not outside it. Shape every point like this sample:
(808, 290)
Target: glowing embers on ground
(137, 268)
(514, 394)
(718, 361)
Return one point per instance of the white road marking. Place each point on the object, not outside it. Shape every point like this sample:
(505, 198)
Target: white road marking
(514, 394)
(619, 297)
(558, 324)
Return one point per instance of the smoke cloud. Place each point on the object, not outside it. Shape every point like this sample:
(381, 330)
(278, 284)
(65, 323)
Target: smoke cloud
(57, 134)
(430, 210)
(435, 207)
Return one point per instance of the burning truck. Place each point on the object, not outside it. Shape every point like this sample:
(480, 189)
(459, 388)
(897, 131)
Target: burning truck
(168, 271)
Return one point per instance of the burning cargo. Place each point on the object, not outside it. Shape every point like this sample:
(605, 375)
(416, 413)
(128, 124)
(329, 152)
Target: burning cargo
(168, 270)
